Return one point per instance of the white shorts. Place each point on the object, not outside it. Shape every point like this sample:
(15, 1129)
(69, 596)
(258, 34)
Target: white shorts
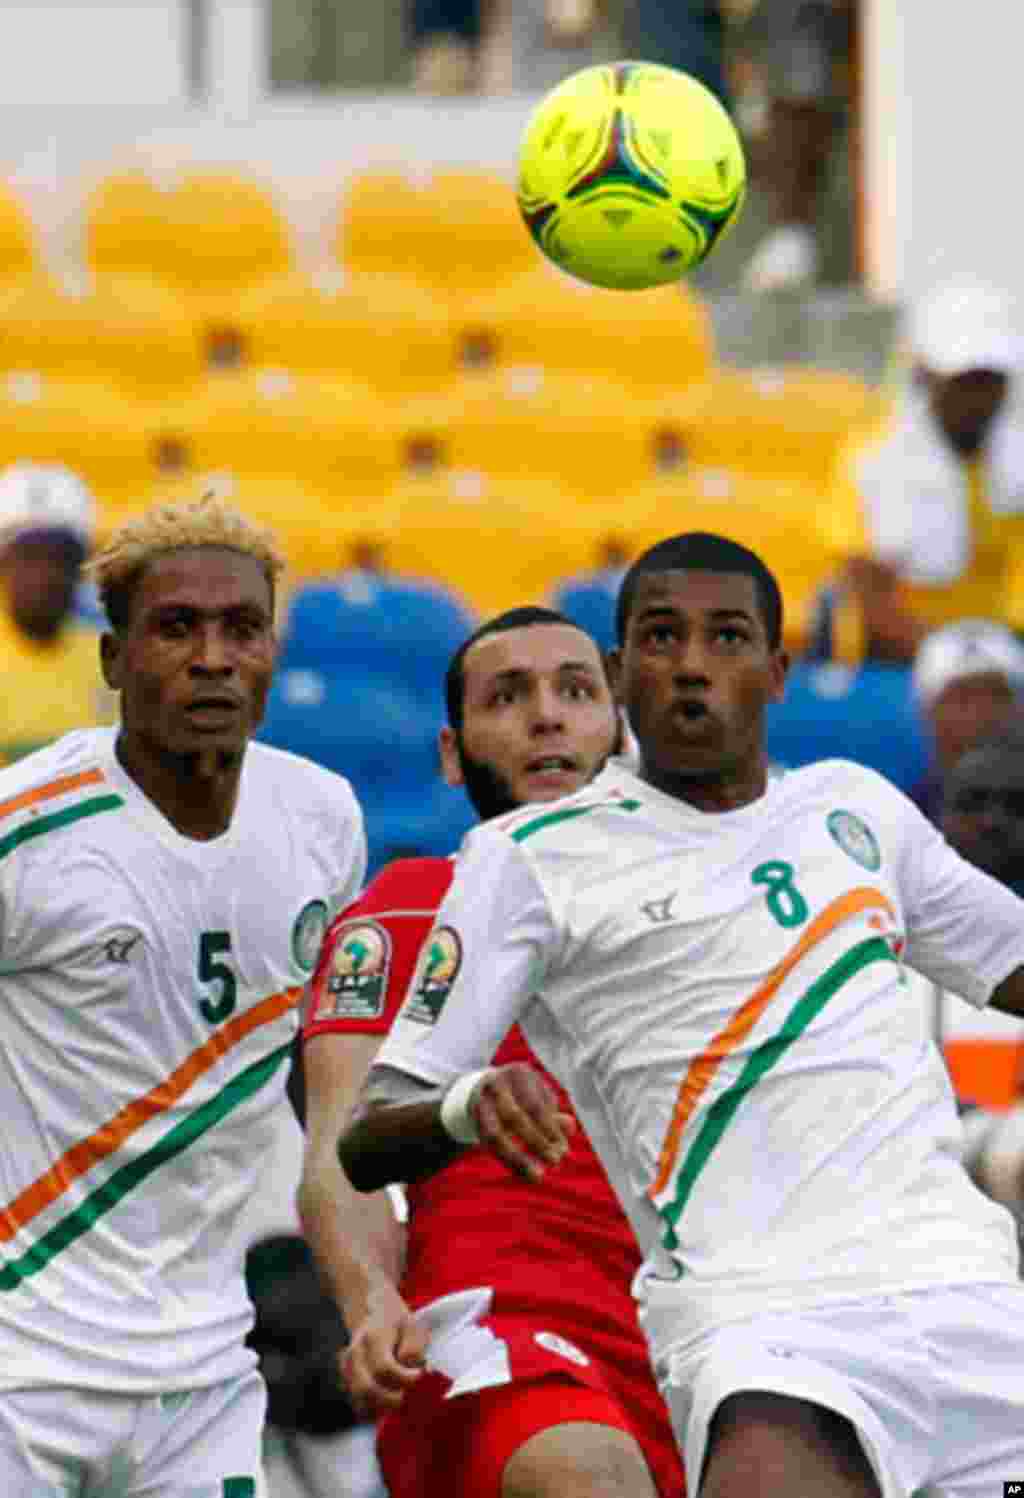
(932, 1381)
(75, 1443)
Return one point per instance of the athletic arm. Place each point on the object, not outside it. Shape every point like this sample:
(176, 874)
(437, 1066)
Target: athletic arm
(965, 930)
(493, 940)
(357, 1240)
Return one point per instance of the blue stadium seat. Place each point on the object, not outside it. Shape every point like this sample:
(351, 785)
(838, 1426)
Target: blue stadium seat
(589, 601)
(402, 628)
(868, 715)
(381, 737)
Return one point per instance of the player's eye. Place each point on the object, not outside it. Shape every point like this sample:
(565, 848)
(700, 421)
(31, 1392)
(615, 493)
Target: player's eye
(579, 691)
(731, 634)
(660, 634)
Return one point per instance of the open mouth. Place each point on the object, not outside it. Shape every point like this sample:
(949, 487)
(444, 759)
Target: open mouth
(552, 764)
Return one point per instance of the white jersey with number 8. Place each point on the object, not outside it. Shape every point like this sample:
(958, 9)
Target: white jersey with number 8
(724, 997)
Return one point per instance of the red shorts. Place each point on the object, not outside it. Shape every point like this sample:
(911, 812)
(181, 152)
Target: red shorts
(536, 1378)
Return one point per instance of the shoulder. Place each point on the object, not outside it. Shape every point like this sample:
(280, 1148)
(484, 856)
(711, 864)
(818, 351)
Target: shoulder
(407, 887)
(279, 772)
(615, 796)
(56, 786)
(837, 779)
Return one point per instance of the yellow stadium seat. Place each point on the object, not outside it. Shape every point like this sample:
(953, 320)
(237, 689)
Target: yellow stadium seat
(381, 329)
(594, 434)
(777, 516)
(126, 225)
(120, 328)
(382, 220)
(337, 435)
(659, 339)
(790, 420)
(317, 531)
(498, 540)
(207, 234)
(473, 238)
(96, 430)
(18, 252)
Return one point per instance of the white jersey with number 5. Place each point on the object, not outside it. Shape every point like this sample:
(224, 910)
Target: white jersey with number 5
(148, 989)
(724, 997)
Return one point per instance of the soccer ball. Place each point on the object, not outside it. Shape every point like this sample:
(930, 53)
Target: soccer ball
(629, 174)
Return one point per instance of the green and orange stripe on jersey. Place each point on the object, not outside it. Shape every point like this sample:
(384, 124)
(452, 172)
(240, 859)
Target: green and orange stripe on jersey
(704, 1067)
(105, 1141)
(51, 790)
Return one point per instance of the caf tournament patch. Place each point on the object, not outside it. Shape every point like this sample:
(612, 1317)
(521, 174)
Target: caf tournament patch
(353, 985)
(436, 971)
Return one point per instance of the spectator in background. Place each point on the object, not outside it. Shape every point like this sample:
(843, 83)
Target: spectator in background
(530, 45)
(687, 34)
(966, 680)
(983, 818)
(927, 512)
(444, 38)
(50, 662)
(802, 50)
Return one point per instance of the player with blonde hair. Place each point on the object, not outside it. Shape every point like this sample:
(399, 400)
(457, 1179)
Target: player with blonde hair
(164, 886)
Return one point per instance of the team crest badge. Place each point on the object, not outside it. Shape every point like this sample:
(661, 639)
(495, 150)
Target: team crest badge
(355, 980)
(855, 838)
(436, 971)
(307, 934)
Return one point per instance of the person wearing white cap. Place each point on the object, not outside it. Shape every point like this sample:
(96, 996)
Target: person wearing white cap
(927, 512)
(967, 679)
(50, 662)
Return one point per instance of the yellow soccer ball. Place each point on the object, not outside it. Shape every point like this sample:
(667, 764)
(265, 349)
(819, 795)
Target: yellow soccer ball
(629, 174)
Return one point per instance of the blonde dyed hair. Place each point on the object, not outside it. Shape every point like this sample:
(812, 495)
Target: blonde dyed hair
(207, 521)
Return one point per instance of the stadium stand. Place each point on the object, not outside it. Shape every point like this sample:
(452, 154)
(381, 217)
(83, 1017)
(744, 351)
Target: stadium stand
(124, 223)
(337, 436)
(19, 253)
(660, 339)
(373, 326)
(589, 601)
(778, 420)
(498, 540)
(379, 224)
(99, 431)
(402, 626)
(868, 715)
(473, 238)
(596, 434)
(122, 328)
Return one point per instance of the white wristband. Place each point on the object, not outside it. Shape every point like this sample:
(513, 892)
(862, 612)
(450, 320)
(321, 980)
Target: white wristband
(456, 1119)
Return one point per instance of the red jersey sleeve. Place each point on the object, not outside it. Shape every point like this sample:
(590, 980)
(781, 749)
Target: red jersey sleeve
(370, 950)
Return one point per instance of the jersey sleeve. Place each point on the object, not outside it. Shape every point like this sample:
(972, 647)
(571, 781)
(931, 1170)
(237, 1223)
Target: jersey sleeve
(352, 852)
(965, 930)
(494, 939)
(370, 950)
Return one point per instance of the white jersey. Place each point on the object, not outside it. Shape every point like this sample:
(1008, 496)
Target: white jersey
(723, 996)
(148, 991)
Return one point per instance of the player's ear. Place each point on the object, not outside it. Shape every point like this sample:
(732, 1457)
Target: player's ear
(451, 765)
(111, 660)
(780, 670)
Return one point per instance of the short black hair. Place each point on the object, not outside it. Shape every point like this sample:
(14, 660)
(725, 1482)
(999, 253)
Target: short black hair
(702, 551)
(519, 618)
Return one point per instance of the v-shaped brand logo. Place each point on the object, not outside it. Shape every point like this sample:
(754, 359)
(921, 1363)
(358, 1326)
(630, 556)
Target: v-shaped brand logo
(658, 912)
